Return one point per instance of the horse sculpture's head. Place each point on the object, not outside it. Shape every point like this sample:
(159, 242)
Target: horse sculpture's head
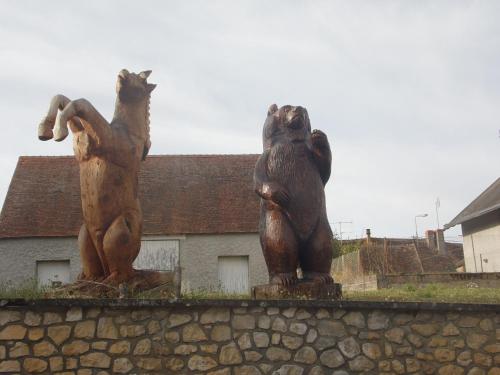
(132, 87)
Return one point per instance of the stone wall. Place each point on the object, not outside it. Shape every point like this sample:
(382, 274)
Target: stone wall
(248, 337)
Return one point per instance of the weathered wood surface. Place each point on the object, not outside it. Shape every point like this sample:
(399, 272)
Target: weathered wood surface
(290, 176)
(109, 155)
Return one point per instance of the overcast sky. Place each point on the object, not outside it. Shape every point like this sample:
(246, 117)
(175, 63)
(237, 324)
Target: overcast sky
(408, 92)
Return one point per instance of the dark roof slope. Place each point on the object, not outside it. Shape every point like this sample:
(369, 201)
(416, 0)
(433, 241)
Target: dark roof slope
(180, 194)
(487, 201)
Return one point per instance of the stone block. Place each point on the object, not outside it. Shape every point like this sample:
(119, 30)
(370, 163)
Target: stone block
(122, 365)
(193, 333)
(306, 355)
(201, 363)
(175, 320)
(278, 354)
(85, 329)
(143, 347)
(243, 322)
(74, 314)
(148, 363)
(44, 349)
(120, 347)
(331, 358)
(215, 315)
(13, 332)
(106, 329)
(34, 365)
(230, 355)
(75, 347)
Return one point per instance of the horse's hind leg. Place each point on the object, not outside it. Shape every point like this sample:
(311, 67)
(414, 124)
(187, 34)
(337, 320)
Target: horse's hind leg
(91, 263)
(121, 245)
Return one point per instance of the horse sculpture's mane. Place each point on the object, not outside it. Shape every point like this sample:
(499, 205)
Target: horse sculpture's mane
(147, 144)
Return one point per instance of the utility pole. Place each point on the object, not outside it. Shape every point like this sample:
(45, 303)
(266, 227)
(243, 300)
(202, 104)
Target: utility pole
(340, 228)
(416, 229)
(438, 204)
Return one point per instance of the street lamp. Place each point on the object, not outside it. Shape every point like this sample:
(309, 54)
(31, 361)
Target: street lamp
(416, 229)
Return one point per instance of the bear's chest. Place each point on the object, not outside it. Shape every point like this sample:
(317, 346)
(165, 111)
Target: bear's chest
(293, 167)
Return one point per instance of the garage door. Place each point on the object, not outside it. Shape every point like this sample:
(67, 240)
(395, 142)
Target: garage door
(233, 274)
(158, 255)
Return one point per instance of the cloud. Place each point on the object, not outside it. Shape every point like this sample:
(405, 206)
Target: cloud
(407, 92)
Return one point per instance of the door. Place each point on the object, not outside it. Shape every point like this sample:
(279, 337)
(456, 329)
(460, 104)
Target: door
(52, 272)
(158, 255)
(233, 274)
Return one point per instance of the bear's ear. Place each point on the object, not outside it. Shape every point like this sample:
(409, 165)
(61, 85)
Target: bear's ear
(272, 109)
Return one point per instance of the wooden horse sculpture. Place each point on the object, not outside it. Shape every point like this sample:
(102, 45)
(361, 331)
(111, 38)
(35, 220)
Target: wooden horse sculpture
(109, 155)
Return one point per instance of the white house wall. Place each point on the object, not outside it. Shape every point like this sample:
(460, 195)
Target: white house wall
(484, 244)
(199, 258)
(18, 256)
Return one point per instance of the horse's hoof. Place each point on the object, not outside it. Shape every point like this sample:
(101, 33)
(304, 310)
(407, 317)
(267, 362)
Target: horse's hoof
(45, 131)
(60, 133)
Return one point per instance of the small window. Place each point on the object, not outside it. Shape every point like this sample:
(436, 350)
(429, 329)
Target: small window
(52, 272)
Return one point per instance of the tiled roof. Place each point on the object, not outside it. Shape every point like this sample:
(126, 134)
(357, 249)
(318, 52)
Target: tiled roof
(180, 194)
(487, 201)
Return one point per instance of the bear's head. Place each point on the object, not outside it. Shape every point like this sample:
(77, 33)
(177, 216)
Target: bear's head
(287, 124)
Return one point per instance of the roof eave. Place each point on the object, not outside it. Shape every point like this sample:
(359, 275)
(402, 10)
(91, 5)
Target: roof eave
(460, 220)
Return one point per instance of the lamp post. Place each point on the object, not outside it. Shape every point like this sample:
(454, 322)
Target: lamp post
(416, 228)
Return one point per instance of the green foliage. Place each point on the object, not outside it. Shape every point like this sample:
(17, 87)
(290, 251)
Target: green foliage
(340, 248)
(336, 247)
(428, 293)
(409, 287)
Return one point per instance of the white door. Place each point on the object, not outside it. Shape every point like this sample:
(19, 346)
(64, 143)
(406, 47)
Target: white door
(52, 272)
(233, 274)
(158, 255)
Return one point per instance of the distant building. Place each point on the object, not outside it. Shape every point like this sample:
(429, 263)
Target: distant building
(375, 263)
(200, 212)
(480, 222)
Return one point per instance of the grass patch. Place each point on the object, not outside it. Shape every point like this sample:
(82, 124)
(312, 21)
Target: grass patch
(28, 289)
(469, 293)
(429, 293)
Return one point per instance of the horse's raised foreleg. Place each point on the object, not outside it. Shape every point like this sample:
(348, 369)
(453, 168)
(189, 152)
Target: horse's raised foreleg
(45, 127)
(92, 121)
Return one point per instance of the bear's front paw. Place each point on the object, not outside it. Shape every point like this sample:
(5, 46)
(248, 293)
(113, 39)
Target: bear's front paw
(285, 279)
(276, 193)
(319, 138)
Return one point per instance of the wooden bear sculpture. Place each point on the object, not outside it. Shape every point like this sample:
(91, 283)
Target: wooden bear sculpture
(290, 176)
(109, 155)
